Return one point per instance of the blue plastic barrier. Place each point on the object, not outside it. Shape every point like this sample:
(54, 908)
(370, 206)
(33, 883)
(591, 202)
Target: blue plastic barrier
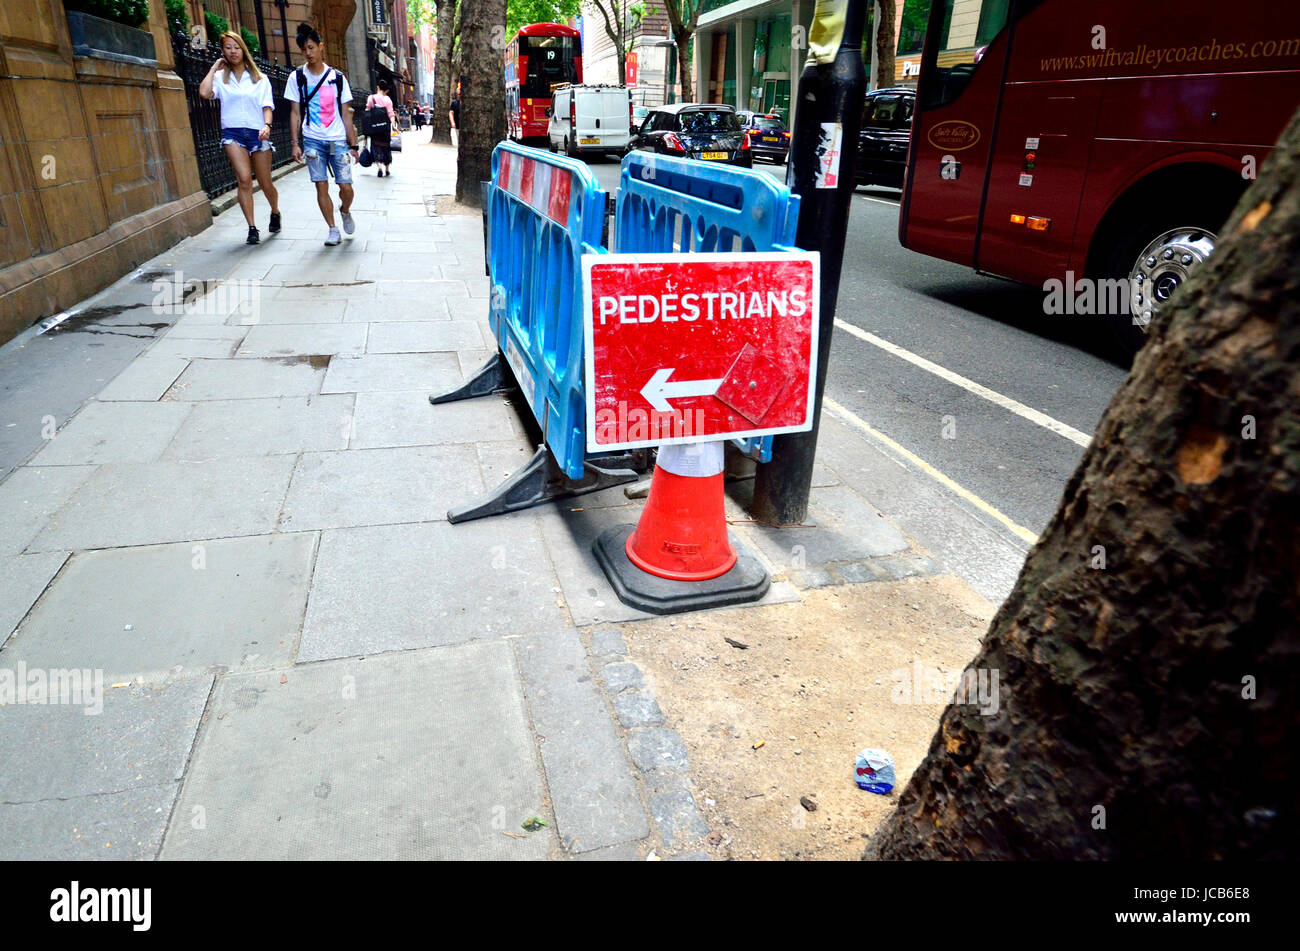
(546, 211)
(668, 204)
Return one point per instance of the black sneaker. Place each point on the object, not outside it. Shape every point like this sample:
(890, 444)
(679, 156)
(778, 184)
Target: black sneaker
(275, 222)
(253, 236)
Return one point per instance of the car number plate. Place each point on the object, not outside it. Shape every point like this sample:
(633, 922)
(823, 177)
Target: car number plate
(714, 155)
(769, 138)
(590, 141)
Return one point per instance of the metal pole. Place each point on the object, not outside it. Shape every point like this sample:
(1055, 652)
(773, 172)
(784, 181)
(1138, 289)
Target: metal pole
(875, 33)
(261, 30)
(822, 171)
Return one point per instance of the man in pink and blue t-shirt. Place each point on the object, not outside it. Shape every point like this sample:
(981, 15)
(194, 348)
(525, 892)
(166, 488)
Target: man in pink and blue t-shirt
(329, 141)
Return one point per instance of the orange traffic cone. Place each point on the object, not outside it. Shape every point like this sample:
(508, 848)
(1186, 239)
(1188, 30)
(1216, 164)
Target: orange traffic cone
(682, 533)
(678, 557)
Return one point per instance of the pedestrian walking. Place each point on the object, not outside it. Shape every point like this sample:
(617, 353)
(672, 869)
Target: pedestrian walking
(453, 116)
(418, 119)
(321, 115)
(380, 123)
(247, 111)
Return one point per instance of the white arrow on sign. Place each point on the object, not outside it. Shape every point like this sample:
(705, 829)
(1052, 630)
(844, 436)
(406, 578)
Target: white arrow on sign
(659, 391)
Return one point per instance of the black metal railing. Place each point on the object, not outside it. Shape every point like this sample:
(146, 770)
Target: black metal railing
(215, 172)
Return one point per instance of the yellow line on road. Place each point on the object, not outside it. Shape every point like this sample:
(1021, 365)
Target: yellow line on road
(857, 422)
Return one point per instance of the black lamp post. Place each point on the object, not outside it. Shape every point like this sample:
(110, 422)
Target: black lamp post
(284, 29)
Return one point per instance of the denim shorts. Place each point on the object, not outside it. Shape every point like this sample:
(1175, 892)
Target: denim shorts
(245, 137)
(325, 158)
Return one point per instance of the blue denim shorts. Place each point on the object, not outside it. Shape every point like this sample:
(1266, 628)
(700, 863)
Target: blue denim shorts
(326, 158)
(245, 137)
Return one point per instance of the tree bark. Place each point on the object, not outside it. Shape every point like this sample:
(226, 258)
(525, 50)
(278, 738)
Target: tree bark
(483, 95)
(615, 36)
(682, 17)
(442, 85)
(886, 44)
(1147, 708)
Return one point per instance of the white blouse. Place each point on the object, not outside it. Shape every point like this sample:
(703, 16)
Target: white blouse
(242, 99)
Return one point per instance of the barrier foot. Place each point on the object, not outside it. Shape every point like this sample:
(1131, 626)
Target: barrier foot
(746, 581)
(541, 480)
(491, 377)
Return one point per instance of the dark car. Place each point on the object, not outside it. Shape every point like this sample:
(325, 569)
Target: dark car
(712, 133)
(886, 130)
(768, 137)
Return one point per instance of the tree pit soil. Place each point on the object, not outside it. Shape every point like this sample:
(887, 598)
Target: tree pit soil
(819, 681)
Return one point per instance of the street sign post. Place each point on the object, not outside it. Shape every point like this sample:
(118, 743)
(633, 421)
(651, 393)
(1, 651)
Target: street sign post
(686, 348)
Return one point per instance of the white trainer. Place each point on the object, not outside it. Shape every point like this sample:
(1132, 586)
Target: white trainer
(348, 224)
(334, 238)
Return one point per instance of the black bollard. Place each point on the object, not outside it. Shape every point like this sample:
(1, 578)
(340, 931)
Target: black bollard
(831, 93)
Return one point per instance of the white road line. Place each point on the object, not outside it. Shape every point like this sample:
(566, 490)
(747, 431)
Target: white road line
(882, 201)
(1006, 402)
(857, 422)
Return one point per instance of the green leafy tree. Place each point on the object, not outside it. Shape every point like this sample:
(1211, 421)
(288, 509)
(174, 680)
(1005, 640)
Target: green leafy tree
(178, 16)
(523, 12)
(130, 12)
(216, 23)
(250, 40)
(682, 17)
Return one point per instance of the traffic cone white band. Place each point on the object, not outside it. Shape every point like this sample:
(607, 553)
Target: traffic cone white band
(696, 459)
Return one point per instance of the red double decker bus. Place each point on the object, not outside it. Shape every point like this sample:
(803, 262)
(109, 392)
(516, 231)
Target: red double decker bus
(540, 57)
(1101, 144)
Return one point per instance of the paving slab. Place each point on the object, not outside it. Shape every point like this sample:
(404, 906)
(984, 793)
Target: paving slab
(250, 379)
(423, 336)
(294, 312)
(357, 290)
(30, 496)
(374, 372)
(147, 378)
(173, 611)
(398, 587)
(203, 331)
(422, 756)
(263, 427)
(420, 307)
(379, 486)
(22, 579)
(407, 418)
(193, 348)
(417, 262)
(345, 270)
(111, 775)
(114, 432)
(158, 502)
(593, 792)
(844, 528)
(452, 291)
(117, 826)
(303, 340)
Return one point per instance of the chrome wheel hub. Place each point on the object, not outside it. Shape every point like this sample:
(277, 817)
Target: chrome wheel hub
(1161, 267)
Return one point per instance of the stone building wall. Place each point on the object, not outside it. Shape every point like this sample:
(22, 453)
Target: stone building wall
(97, 169)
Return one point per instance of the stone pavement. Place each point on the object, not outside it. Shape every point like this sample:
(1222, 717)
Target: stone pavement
(244, 533)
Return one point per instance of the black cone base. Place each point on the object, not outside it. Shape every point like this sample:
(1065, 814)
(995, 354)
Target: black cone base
(746, 581)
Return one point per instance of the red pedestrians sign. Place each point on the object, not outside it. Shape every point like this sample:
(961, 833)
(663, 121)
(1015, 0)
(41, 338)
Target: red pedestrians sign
(692, 347)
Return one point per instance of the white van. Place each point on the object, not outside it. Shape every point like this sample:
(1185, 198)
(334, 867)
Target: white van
(590, 119)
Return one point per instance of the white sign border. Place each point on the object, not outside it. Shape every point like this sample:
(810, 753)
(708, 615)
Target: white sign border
(732, 257)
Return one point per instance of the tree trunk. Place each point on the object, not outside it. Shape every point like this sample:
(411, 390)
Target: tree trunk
(442, 86)
(684, 66)
(886, 44)
(1146, 705)
(483, 95)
